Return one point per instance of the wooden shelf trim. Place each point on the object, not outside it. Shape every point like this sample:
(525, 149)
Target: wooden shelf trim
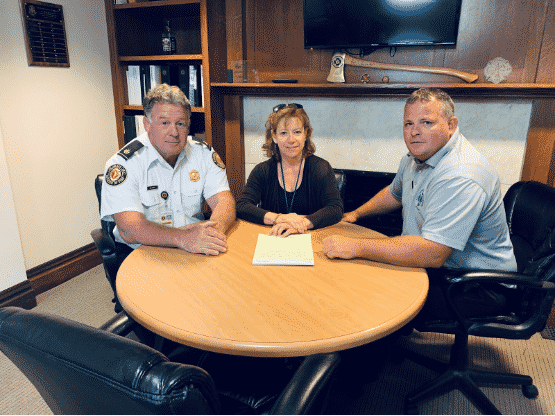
(140, 108)
(159, 3)
(150, 58)
(513, 91)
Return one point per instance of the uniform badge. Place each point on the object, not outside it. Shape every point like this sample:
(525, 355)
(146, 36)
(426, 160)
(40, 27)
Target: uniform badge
(115, 175)
(194, 176)
(217, 160)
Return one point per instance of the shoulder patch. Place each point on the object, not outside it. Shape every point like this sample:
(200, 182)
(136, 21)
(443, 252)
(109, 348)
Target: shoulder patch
(200, 141)
(128, 151)
(218, 160)
(115, 175)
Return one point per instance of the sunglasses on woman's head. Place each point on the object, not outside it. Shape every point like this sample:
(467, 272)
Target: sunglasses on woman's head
(282, 106)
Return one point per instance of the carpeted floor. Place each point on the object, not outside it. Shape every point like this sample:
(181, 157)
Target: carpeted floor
(86, 299)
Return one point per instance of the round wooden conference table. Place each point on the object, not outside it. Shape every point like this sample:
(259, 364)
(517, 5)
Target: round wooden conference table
(225, 304)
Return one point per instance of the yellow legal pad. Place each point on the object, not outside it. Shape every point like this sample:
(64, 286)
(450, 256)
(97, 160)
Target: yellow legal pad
(295, 250)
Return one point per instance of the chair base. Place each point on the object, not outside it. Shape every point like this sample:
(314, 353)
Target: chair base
(457, 376)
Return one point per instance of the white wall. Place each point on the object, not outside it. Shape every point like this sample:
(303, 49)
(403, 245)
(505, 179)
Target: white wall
(366, 133)
(58, 127)
(12, 266)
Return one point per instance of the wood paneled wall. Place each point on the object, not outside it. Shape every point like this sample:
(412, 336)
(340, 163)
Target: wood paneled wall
(520, 31)
(514, 30)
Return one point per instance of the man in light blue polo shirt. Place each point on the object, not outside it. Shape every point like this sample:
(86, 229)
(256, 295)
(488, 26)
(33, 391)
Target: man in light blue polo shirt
(453, 213)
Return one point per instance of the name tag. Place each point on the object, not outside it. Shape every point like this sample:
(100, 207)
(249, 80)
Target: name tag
(166, 220)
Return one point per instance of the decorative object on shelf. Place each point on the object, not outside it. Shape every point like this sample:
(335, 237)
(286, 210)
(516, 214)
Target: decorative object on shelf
(339, 60)
(245, 71)
(497, 70)
(45, 34)
(385, 79)
(365, 79)
(168, 41)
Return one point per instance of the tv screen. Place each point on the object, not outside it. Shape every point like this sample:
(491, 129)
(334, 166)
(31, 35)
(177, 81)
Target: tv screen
(342, 24)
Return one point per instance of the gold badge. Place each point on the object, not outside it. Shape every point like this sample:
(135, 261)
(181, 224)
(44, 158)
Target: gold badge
(126, 151)
(194, 176)
(218, 160)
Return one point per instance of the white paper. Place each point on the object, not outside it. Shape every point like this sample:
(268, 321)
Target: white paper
(134, 85)
(295, 250)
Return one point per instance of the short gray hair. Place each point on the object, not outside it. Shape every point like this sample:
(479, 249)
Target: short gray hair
(431, 94)
(165, 94)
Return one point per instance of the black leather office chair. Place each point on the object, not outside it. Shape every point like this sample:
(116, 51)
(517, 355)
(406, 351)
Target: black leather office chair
(105, 242)
(78, 369)
(341, 178)
(523, 310)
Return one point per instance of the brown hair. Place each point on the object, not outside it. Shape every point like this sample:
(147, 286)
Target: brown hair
(286, 113)
(431, 94)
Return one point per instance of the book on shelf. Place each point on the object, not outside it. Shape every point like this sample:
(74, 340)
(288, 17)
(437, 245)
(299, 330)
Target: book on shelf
(139, 125)
(134, 85)
(195, 85)
(165, 75)
(141, 78)
(129, 129)
(132, 127)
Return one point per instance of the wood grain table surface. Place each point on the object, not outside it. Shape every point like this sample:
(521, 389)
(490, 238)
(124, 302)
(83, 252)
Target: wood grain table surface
(225, 304)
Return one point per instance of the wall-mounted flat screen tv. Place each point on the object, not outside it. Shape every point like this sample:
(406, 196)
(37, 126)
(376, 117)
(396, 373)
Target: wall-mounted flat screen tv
(343, 24)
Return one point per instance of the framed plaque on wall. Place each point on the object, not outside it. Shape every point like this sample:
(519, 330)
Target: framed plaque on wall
(45, 34)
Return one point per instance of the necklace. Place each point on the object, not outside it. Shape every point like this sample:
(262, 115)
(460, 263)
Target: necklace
(290, 206)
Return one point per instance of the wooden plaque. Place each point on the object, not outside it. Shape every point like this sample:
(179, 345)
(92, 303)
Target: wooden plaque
(45, 34)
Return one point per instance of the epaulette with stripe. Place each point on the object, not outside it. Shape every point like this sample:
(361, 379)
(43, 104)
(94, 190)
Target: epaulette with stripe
(128, 151)
(200, 141)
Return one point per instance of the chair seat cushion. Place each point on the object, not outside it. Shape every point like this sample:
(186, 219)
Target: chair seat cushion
(251, 381)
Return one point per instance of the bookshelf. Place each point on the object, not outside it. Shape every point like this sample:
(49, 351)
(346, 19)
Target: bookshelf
(135, 38)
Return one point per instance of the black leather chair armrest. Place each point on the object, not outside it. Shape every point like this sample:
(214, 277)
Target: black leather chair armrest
(308, 381)
(121, 324)
(494, 326)
(456, 277)
(103, 242)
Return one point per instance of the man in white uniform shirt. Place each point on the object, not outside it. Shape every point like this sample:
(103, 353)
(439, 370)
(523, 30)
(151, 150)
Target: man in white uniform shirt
(154, 188)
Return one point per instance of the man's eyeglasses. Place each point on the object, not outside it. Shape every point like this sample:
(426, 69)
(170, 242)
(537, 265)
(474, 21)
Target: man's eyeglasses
(282, 106)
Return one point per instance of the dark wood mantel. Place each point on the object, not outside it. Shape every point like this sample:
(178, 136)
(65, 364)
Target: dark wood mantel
(485, 90)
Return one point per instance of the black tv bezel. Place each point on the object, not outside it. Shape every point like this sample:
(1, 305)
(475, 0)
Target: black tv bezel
(338, 46)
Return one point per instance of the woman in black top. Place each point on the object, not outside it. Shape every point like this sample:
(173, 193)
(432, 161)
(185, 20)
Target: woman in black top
(293, 190)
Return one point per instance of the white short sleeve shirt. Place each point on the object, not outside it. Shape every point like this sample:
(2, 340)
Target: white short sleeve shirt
(143, 181)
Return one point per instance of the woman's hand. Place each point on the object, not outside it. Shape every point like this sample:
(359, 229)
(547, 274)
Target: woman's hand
(288, 224)
(351, 217)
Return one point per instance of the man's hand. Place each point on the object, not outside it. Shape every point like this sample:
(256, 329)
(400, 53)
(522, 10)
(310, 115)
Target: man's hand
(340, 247)
(202, 237)
(351, 217)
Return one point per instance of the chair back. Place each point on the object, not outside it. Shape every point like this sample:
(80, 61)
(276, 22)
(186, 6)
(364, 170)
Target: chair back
(78, 369)
(530, 210)
(341, 179)
(107, 226)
